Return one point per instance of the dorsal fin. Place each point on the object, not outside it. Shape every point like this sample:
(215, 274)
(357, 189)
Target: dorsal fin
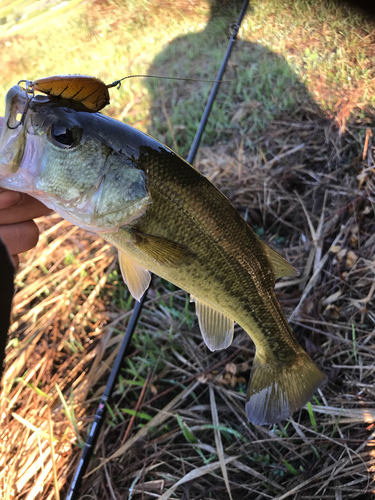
(135, 276)
(280, 266)
(216, 328)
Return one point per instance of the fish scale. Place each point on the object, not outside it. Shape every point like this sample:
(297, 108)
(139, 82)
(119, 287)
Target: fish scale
(232, 290)
(163, 216)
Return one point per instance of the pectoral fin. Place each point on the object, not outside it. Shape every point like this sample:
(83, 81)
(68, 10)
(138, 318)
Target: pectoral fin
(135, 276)
(280, 266)
(164, 251)
(216, 328)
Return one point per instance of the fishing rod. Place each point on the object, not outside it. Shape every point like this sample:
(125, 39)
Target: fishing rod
(100, 414)
(6, 294)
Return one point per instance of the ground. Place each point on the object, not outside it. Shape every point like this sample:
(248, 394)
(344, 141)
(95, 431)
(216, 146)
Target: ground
(290, 143)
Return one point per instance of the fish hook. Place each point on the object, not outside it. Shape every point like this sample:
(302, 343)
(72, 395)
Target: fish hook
(29, 96)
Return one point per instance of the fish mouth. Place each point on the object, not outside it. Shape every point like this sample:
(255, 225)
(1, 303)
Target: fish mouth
(13, 133)
(16, 102)
(13, 141)
(16, 106)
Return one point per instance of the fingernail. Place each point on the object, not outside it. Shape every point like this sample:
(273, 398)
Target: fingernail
(9, 199)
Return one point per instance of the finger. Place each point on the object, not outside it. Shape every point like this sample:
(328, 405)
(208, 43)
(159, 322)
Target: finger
(20, 237)
(27, 208)
(9, 198)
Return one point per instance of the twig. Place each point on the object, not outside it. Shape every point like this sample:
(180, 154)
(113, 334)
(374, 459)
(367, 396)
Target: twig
(138, 405)
(283, 155)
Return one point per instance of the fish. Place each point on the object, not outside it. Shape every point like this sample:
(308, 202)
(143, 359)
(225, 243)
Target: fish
(164, 217)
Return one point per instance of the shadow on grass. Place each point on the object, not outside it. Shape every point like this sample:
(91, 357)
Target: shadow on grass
(260, 86)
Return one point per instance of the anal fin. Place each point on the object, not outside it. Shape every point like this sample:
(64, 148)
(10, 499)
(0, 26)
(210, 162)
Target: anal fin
(135, 276)
(217, 329)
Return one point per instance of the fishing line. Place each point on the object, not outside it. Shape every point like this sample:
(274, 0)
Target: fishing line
(161, 77)
(100, 414)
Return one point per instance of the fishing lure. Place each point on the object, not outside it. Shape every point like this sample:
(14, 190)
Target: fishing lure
(89, 91)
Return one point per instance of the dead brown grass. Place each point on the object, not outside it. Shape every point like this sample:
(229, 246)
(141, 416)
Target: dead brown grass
(309, 187)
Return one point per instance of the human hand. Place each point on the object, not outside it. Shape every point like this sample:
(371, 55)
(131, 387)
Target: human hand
(17, 228)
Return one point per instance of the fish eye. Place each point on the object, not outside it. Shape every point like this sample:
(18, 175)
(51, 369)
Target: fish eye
(64, 135)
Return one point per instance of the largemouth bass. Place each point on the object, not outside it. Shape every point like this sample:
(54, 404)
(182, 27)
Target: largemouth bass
(163, 216)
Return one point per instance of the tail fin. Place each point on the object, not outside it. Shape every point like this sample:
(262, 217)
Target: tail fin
(276, 390)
